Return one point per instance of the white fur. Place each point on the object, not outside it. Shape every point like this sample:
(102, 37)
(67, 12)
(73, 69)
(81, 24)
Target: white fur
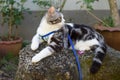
(43, 29)
(71, 24)
(97, 60)
(85, 45)
(44, 53)
(35, 42)
(99, 49)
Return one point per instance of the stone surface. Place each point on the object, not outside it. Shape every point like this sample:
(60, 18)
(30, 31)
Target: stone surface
(62, 66)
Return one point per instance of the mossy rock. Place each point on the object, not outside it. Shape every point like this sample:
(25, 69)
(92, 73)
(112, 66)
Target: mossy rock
(108, 71)
(62, 66)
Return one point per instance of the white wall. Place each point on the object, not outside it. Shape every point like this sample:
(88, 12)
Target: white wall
(31, 5)
(71, 5)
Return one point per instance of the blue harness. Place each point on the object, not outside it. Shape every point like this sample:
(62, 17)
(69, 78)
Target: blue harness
(46, 36)
(73, 49)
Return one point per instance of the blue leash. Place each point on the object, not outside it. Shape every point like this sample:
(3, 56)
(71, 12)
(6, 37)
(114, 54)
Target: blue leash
(48, 34)
(74, 52)
(76, 57)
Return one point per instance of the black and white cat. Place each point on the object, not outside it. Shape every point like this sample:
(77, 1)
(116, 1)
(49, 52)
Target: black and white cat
(83, 37)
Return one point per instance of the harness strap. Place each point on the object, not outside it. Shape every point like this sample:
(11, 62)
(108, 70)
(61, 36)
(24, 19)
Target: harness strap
(46, 36)
(73, 49)
(76, 57)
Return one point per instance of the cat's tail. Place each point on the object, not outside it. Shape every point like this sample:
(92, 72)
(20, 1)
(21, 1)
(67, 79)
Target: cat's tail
(100, 52)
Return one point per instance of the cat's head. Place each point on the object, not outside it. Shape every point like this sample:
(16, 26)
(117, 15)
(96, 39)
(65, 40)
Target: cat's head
(54, 17)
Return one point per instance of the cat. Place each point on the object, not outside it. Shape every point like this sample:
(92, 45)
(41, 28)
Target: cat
(85, 38)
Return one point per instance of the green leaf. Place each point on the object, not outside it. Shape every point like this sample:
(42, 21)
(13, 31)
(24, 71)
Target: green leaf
(88, 3)
(23, 1)
(11, 2)
(42, 3)
(109, 21)
(90, 7)
(6, 11)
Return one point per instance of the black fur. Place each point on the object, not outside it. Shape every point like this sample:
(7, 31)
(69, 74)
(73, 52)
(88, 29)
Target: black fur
(81, 33)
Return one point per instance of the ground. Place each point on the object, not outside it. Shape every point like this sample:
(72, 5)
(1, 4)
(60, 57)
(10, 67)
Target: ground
(8, 67)
(9, 64)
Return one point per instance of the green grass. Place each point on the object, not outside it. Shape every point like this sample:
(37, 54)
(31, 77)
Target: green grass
(25, 43)
(8, 65)
(109, 21)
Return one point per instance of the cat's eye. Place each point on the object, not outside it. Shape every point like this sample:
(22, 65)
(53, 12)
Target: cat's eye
(56, 20)
(59, 18)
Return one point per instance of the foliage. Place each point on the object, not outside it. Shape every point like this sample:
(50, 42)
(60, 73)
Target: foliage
(108, 20)
(47, 3)
(42, 3)
(11, 12)
(8, 64)
(87, 3)
(114, 20)
(25, 43)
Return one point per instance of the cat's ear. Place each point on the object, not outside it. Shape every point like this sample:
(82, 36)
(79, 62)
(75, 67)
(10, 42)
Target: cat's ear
(51, 10)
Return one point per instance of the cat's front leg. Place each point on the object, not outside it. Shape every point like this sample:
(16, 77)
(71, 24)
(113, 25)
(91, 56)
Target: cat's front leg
(49, 50)
(35, 42)
(42, 54)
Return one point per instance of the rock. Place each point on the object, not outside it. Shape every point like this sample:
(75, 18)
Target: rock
(4, 76)
(62, 66)
(59, 66)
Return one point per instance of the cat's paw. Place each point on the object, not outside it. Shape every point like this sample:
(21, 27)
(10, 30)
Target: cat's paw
(95, 67)
(36, 59)
(34, 46)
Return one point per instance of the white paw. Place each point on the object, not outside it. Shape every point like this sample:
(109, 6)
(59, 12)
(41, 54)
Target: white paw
(36, 59)
(34, 46)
